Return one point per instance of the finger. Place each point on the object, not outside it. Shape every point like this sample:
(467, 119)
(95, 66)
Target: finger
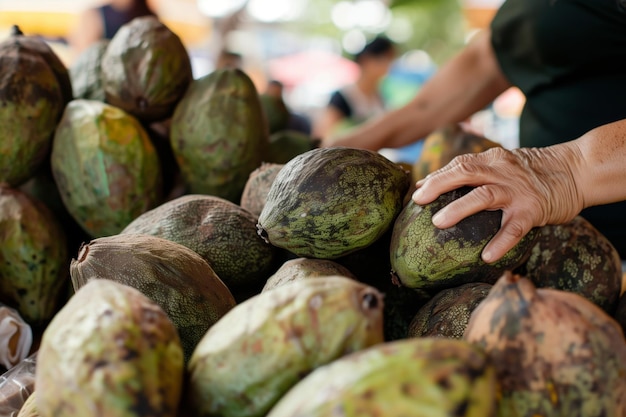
(468, 169)
(504, 240)
(487, 197)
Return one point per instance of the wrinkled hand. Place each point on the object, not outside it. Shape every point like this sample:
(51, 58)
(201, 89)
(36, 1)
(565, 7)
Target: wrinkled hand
(532, 186)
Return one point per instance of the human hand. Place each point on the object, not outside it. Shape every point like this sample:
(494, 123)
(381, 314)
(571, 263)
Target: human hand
(532, 186)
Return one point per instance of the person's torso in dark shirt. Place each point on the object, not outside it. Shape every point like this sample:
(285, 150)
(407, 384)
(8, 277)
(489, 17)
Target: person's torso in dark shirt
(113, 19)
(569, 59)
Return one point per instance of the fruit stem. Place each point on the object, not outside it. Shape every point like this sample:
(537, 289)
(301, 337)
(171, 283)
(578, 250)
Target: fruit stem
(83, 252)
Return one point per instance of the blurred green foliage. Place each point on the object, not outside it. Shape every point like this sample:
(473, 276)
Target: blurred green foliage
(437, 26)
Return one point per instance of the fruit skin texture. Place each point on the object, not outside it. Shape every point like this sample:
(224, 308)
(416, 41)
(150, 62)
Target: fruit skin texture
(426, 257)
(33, 257)
(427, 377)
(448, 312)
(170, 274)
(31, 103)
(576, 257)
(305, 268)
(329, 202)
(35, 44)
(266, 344)
(555, 352)
(107, 170)
(146, 69)
(109, 352)
(219, 134)
(85, 72)
(221, 232)
(258, 186)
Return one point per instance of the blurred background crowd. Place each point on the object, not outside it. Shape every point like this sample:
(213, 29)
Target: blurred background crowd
(309, 48)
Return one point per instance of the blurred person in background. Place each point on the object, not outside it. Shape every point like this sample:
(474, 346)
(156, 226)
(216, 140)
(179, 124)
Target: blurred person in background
(104, 21)
(355, 103)
(569, 60)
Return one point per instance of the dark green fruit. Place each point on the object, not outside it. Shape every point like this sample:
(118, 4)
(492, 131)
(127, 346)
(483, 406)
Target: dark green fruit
(576, 257)
(37, 45)
(329, 202)
(107, 170)
(170, 274)
(31, 103)
(424, 256)
(85, 72)
(219, 134)
(33, 257)
(222, 233)
(146, 69)
(448, 312)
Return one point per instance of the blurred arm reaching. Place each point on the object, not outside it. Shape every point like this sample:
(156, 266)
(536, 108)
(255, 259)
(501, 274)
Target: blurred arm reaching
(464, 85)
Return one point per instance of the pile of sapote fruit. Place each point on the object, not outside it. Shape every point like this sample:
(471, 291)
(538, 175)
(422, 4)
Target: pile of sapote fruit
(176, 250)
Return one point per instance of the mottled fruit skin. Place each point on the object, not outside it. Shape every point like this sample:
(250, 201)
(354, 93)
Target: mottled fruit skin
(329, 202)
(448, 312)
(146, 69)
(305, 268)
(170, 274)
(107, 170)
(426, 257)
(576, 257)
(219, 134)
(443, 145)
(85, 72)
(265, 345)
(426, 377)
(555, 352)
(109, 352)
(221, 232)
(33, 257)
(31, 103)
(35, 44)
(258, 186)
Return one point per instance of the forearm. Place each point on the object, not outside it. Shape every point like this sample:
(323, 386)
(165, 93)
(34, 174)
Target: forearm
(600, 167)
(464, 85)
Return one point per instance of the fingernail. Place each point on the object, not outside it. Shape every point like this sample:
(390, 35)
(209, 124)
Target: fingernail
(439, 218)
(417, 194)
(487, 256)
